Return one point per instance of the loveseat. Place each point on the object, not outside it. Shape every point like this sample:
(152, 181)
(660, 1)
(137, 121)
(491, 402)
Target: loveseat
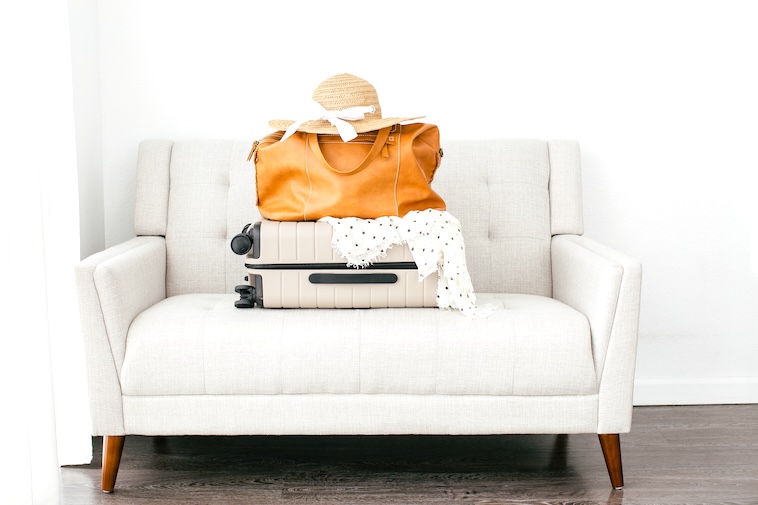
(169, 354)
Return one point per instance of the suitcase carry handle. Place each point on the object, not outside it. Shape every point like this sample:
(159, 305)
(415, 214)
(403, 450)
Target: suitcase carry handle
(352, 278)
(248, 239)
(243, 241)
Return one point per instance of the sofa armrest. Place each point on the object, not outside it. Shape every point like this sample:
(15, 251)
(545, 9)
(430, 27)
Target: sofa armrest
(114, 286)
(604, 285)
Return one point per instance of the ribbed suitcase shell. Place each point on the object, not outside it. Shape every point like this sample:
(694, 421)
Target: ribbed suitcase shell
(289, 259)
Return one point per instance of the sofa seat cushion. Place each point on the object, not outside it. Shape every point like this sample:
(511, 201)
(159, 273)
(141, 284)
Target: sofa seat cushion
(200, 344)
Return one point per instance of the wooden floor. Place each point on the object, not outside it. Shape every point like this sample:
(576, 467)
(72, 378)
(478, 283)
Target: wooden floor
(682, 455)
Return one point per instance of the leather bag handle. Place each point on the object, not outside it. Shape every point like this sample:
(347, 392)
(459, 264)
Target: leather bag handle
(381, 139)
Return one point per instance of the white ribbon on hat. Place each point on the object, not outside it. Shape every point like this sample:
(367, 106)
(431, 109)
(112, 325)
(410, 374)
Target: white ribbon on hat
(338, 118)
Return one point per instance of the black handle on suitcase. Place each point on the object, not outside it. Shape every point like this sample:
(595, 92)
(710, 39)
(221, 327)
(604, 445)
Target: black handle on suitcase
(243, 242)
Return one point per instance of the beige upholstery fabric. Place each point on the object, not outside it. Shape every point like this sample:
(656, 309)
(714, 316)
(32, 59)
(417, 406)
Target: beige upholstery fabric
(565, 188)
(614, 317)
(351, 414)
(499, 193)
(530, 345)
(151, 207)
(114, 286)
(167, 352)
(505, 193)
(211, 197)
(590, 283)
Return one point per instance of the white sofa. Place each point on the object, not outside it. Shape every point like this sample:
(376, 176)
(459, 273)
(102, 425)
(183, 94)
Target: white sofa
(169, 354)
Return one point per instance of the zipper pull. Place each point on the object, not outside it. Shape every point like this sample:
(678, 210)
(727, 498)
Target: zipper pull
(253, 150)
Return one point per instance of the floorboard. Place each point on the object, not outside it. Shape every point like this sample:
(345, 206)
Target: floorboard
(674, 455)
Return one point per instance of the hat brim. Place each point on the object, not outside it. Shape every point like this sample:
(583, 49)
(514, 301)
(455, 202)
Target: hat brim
(324, 126)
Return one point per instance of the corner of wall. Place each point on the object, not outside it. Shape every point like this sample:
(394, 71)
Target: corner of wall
(85, 55)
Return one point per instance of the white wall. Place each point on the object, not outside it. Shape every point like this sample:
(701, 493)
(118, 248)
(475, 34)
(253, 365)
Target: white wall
(85, 56)
(661, 96)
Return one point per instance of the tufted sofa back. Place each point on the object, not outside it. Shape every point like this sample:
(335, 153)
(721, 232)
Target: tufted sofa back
(511, 197)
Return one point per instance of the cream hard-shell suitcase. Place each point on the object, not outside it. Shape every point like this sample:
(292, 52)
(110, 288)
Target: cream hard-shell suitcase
(292, 264)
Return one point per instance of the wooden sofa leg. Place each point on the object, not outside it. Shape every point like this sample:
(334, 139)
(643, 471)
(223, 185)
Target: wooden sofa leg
(612, 452)
(113, 446)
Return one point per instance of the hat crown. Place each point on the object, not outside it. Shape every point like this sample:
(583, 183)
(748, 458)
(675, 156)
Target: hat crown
(343, 91)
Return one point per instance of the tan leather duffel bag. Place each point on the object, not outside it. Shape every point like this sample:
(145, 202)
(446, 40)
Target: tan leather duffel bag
(386, 172)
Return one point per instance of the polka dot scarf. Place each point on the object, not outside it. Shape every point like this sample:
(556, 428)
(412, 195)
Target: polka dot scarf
(435, 241)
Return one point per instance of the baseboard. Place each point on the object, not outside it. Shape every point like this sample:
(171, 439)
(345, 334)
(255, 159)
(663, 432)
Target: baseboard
(711, 391)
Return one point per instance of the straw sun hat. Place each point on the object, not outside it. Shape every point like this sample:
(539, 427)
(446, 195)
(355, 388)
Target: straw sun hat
(344, 104)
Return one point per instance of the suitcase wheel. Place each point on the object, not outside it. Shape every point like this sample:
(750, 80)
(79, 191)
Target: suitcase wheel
(243, 289)
(244, 303)
(247, 296)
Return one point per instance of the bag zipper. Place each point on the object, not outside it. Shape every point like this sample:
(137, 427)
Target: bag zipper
(271, 138)
(329, 138)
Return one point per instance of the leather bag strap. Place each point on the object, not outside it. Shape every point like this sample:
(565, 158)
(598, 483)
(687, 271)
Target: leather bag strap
(381, 139)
